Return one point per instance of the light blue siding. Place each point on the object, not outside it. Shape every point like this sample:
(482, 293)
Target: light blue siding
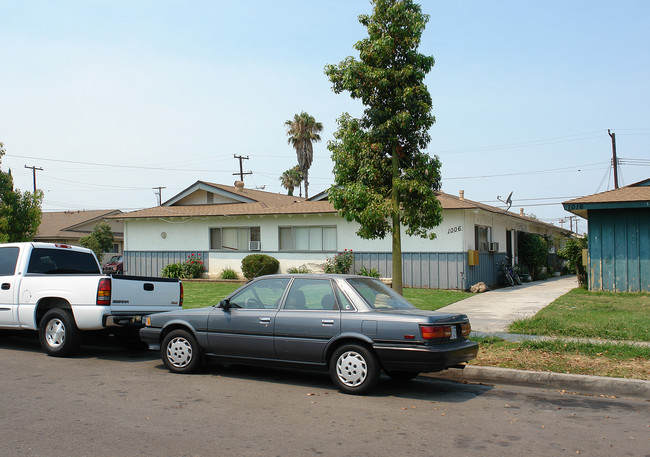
(619, 250)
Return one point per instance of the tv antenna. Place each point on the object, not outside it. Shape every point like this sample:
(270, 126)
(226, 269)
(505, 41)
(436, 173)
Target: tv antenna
(508, 201)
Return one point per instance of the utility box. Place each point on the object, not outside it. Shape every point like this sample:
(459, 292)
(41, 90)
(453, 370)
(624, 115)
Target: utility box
(472, 257)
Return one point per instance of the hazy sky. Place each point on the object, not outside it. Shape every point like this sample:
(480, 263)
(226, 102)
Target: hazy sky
(114, 98)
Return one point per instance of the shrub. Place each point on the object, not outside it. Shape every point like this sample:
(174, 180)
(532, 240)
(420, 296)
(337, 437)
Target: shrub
(298, 270)
(533, 252)
(172, 270)
(228, 273)
(255, 265)
(192, 268)
(572, 253)
(340, 263)
(373, 273)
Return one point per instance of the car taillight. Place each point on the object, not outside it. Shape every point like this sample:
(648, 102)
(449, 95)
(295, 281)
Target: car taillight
(435, 332)
(104, 292)
(181, 301)
(465, 329)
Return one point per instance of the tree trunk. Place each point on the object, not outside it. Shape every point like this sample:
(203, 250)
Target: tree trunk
(305, 175)
(397, 237)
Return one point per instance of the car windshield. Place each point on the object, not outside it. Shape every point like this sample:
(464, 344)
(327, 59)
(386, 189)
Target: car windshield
(378, 295)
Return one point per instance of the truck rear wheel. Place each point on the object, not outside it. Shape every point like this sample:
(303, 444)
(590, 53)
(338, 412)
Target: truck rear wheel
(58, 333)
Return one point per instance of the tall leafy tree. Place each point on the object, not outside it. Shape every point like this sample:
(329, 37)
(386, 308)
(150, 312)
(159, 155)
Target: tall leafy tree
(302, 130)
(20, 212)
(291, 179)
(382, 179)
(100, 240)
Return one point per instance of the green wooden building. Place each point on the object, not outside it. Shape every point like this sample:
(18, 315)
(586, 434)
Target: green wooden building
(619, 237)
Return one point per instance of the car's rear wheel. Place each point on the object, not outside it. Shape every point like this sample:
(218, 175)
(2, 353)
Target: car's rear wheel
(58, 333)
(180, 352)
(354, 369)
(402, 376)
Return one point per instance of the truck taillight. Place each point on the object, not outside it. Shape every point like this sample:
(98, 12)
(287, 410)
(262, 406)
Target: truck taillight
(104, 292)
(181, 301)
(435, 332)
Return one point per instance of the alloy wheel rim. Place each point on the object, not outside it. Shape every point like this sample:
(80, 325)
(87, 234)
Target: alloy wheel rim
(179, 352)
(351, 368)
(55, 333)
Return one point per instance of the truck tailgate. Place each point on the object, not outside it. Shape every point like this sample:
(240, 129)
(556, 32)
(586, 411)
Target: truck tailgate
(144, 295)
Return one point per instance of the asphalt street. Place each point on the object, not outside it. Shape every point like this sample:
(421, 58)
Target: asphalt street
(108, 402)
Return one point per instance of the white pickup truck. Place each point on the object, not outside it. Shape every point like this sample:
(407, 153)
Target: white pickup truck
(60, 291)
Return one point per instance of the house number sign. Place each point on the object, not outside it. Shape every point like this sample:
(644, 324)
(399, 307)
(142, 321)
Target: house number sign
(458, 228)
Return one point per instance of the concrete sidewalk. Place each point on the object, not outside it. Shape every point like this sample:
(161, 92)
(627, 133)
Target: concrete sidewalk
(493, 311)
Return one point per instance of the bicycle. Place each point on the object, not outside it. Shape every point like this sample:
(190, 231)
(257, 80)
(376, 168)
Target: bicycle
(510, 276)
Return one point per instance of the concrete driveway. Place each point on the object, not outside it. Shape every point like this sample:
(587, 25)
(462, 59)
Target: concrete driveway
(492, 311)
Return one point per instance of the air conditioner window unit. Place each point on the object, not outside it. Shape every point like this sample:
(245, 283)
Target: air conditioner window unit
(254, 246)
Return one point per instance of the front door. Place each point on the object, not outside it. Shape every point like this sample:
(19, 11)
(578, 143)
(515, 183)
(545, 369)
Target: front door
(8, 293)
(245, 329)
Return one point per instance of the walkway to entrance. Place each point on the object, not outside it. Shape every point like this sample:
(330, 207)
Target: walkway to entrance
(492, 311)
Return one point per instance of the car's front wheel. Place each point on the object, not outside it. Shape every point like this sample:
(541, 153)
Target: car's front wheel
(180, 352)
(354, 369)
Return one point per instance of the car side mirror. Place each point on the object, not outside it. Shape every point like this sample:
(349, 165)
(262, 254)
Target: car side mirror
(225, 305)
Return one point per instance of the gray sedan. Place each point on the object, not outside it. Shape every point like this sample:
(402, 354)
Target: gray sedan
(353, 326)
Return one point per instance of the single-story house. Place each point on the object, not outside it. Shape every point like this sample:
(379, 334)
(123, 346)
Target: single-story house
(619, 237)
(226, 223)
(68, 227)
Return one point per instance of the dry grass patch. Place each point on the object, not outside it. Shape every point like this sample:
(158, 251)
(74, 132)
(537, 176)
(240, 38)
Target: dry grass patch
(621, 361)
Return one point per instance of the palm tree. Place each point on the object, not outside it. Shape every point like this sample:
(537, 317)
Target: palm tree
(302, 130)
(291, 179)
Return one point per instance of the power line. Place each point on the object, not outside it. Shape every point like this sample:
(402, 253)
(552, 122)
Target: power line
(550, 170)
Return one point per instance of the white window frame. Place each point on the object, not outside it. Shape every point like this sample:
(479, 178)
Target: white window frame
(313, 238)
(254, 233)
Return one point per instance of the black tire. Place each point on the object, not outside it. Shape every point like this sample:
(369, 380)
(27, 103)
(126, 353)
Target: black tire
(509, 280)
(354, 369)
(58, 333)
(180, 352)
(402, 376)
(516, 278)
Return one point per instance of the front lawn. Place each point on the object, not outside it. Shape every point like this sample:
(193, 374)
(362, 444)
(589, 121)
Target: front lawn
(201, 294)
(583, 314)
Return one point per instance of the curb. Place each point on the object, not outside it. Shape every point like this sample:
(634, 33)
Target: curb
(583, 384)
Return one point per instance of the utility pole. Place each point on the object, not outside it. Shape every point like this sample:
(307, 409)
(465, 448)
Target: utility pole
(159, 194)
(241, 169)
(614, 160)
(34, 174)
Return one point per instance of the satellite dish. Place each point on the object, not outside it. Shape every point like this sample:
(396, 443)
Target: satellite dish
(508, 200)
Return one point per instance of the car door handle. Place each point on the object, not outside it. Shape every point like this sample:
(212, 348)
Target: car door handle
(6, 286)
(265, 320)
(327, 321)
